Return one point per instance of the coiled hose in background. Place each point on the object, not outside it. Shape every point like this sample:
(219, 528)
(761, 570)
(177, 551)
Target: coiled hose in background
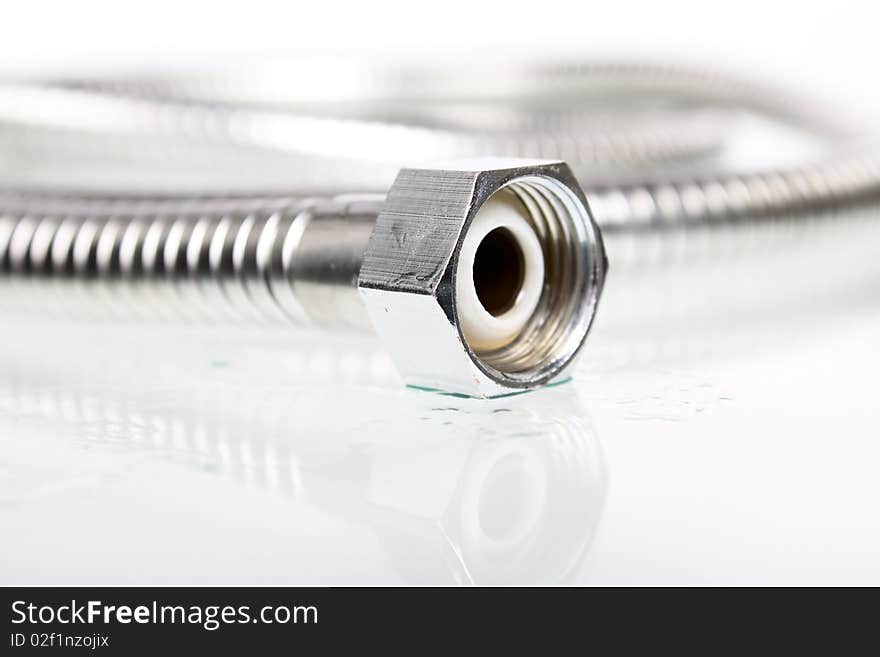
(679, 167)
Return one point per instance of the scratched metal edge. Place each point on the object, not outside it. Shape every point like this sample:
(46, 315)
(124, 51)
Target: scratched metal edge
(417, 230)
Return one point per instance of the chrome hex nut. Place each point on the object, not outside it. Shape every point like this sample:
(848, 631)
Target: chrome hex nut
(411, 276)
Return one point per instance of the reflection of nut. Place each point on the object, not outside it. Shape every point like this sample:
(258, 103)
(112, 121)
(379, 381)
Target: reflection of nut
(409, 275)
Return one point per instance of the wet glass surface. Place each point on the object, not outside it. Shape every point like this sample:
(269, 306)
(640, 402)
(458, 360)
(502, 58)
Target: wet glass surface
(174, 455)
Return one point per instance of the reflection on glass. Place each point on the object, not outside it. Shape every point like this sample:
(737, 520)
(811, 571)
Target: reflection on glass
(456, 490)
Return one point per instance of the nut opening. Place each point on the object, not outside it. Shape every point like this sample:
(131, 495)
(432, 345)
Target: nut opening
(572, 264)
(499, 271)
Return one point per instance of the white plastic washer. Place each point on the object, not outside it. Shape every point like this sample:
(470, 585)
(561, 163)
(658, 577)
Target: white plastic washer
(482, 329)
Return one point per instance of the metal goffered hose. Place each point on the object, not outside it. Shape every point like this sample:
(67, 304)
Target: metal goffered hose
(276, 194)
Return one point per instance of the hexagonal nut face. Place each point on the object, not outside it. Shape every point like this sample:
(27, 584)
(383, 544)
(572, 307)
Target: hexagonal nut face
(407, 278)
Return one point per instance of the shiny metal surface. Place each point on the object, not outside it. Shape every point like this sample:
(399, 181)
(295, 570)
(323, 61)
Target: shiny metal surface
(244, 260)
(408, 277)
(215, 193)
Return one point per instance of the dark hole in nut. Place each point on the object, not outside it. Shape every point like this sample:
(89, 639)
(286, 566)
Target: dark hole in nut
(499, 270)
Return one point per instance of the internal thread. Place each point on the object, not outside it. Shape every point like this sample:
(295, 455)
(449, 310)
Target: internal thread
(572, 281)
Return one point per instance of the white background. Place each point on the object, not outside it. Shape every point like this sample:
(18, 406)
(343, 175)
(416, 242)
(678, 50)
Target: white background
(830, 46)
(201, 459)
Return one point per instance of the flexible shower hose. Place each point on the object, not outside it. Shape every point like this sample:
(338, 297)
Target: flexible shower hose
(193, 182)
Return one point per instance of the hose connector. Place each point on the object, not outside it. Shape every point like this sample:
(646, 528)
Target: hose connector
(483, 278)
